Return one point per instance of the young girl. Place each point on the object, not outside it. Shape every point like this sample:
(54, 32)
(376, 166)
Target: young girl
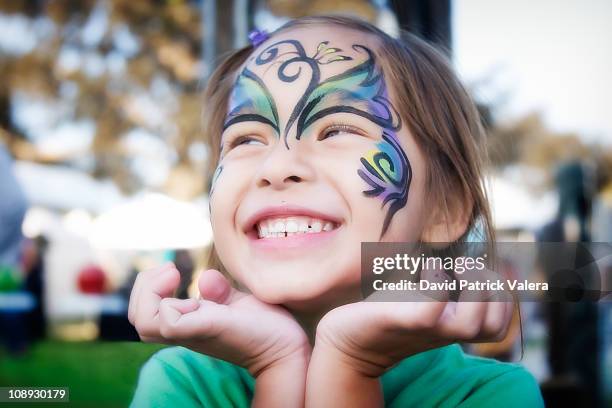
(330, 133)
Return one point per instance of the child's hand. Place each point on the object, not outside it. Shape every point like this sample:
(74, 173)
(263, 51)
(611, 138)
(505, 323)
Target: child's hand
(356, 343)
(225, 323)
(376, 335)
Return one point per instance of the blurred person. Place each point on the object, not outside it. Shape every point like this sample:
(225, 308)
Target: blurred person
(13, 206)
(572, 344)
(33, 262)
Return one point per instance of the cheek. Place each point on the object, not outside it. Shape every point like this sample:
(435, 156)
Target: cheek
(228, 184)
(217, 192)
(387, 175)
(226, 187)
(367, 177)
(409, 221)
(215, 178)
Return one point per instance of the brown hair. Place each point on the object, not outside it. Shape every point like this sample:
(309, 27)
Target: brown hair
(430, 99)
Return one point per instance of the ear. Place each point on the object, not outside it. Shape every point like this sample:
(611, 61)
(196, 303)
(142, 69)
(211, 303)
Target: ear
(449, 220)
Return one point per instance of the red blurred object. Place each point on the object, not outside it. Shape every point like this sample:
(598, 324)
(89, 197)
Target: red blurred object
(92, 279)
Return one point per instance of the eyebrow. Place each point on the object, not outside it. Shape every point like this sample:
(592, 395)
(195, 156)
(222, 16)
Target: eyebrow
(345, 101)
(360, 91)
(251, 101)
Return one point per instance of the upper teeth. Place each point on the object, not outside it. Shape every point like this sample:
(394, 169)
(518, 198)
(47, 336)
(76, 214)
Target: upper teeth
(281, 227)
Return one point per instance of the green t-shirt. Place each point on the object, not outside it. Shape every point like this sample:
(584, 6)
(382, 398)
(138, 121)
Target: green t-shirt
(444, 377)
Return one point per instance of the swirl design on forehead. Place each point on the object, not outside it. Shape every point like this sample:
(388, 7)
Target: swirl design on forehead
(251, 100)
(345, 92)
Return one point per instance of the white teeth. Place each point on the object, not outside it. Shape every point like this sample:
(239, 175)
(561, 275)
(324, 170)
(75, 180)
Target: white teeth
(279, 226)
(292, 226)
(282, 227)
(262, 230)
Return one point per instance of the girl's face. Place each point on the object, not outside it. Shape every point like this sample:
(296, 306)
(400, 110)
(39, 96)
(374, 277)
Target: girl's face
(314, 161)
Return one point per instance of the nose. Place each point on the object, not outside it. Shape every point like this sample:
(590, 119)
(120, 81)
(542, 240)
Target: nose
(284, 167)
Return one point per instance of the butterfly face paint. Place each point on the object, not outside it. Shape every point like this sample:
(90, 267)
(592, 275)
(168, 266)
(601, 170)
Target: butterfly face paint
(359, 90)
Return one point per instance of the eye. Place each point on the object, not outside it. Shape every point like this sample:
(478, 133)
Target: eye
(244, 140)
(339, 129)
(232, 143)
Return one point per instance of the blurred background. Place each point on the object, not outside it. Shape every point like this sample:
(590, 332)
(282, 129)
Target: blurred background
(102, 168)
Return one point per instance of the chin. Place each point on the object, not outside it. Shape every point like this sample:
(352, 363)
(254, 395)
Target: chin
(310, 294)
(285, 291)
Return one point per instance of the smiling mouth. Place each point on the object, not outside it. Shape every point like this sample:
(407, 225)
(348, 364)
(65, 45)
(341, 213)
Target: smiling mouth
(282, 227)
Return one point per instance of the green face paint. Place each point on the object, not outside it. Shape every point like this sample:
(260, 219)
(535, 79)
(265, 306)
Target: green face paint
(251, 101)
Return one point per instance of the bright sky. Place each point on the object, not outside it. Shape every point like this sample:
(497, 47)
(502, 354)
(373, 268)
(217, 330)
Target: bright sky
(552, 56)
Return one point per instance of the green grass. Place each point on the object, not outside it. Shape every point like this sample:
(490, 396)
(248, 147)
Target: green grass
(99, 374)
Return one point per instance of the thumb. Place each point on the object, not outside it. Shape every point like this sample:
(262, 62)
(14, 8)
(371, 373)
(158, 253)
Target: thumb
(215, 287)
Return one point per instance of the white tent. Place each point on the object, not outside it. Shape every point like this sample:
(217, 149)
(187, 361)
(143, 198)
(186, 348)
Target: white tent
(152, 221)
(515, 207)
(64, 188)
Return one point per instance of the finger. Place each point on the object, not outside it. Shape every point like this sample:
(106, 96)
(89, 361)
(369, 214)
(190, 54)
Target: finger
(463, 320)
(137, 288)
(133, 300)
(154, 289)
(511, 312)
(424, 313)
(171, 310)
(499, 311)
(189, 318)
(497, 330)
(436, 280)
(466, 319)
(215, 287)
(495, 322)
(410, 316)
